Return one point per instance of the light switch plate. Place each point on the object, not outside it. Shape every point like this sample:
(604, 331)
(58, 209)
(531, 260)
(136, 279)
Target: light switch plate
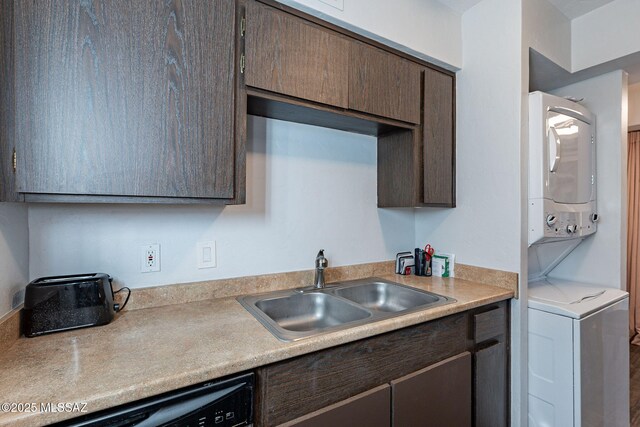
(206, 254)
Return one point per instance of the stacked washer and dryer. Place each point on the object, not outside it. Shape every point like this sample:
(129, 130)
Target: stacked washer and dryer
(578, 370)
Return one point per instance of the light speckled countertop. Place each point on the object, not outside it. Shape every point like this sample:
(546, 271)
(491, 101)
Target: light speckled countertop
(150, 351)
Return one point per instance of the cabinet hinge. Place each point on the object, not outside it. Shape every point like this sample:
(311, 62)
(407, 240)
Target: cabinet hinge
(15, 160)
(242, 64)
(243, 26)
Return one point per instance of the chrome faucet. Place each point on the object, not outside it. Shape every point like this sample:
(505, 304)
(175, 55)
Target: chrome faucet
(321, 264)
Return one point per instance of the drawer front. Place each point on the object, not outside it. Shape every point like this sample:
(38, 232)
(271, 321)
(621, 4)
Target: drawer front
(490, 324)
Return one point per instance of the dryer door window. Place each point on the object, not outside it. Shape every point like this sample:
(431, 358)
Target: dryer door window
(570, 159)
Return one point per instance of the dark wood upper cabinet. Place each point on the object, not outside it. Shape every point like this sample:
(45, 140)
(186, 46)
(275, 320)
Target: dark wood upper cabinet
(417, 167)
(383, 84)
(291, 56)
(438, 139)
(125, 98)
(7, 117)
(145, 101)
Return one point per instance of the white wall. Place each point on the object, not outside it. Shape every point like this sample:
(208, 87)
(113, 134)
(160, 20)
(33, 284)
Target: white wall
(601, 258)
(634, 105)
(14, 254)
(484, 228)
(308, 188)
(425, 28)
(548, 31)
(606, 33)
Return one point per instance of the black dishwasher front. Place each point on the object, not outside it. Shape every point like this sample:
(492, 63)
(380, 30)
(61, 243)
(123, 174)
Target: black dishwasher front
(224, 403)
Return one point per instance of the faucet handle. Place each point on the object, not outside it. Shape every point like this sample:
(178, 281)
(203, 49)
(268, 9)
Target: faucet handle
(321, 261)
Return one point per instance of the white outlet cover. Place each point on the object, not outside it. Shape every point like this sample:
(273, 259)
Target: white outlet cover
(150, 258)
(206, 254)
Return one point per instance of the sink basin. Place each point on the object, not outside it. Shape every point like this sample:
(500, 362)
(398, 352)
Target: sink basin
(310, 311)
(389, 297)
(291, 315)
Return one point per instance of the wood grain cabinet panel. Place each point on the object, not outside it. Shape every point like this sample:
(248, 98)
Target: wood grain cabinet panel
(368, 409)
(125, 98)
(292, 388)
(290, 56)
(491, 365)
(438, 376)
(491, 388)
(399, 168)
(489, 324)
(438, 139)
(383, 84)
(436, 396)
(417, 167)
(7, 145)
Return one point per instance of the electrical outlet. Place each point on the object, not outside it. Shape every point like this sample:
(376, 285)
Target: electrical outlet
(206, 254)
(150, 258)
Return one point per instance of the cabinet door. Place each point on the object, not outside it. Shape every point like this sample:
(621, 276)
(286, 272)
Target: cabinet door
(436, 396)
(7, 176)
(290, 56)
(369, 409)
(491, 388)
(128, 98)
(383, 84)
(295, 387)
(439, 142)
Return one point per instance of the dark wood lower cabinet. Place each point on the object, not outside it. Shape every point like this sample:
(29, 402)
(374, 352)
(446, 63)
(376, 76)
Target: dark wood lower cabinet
(295, 387)
(451, 371)
(368, 409)
(490, 379)
(490, 366)
(437, 396)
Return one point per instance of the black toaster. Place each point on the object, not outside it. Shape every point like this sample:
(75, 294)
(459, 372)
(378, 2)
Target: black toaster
(59, 303)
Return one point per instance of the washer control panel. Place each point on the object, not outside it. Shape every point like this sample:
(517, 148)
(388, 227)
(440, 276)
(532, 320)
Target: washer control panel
(567, 224)
(550, 221)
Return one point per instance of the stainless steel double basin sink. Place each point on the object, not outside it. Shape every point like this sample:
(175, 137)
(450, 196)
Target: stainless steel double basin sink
(299, 313)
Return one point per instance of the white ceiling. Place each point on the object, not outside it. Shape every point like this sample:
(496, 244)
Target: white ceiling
(574, 8)
(460, 5)
(570, 8)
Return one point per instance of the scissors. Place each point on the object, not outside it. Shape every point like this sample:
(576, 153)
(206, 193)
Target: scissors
(428, 252)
